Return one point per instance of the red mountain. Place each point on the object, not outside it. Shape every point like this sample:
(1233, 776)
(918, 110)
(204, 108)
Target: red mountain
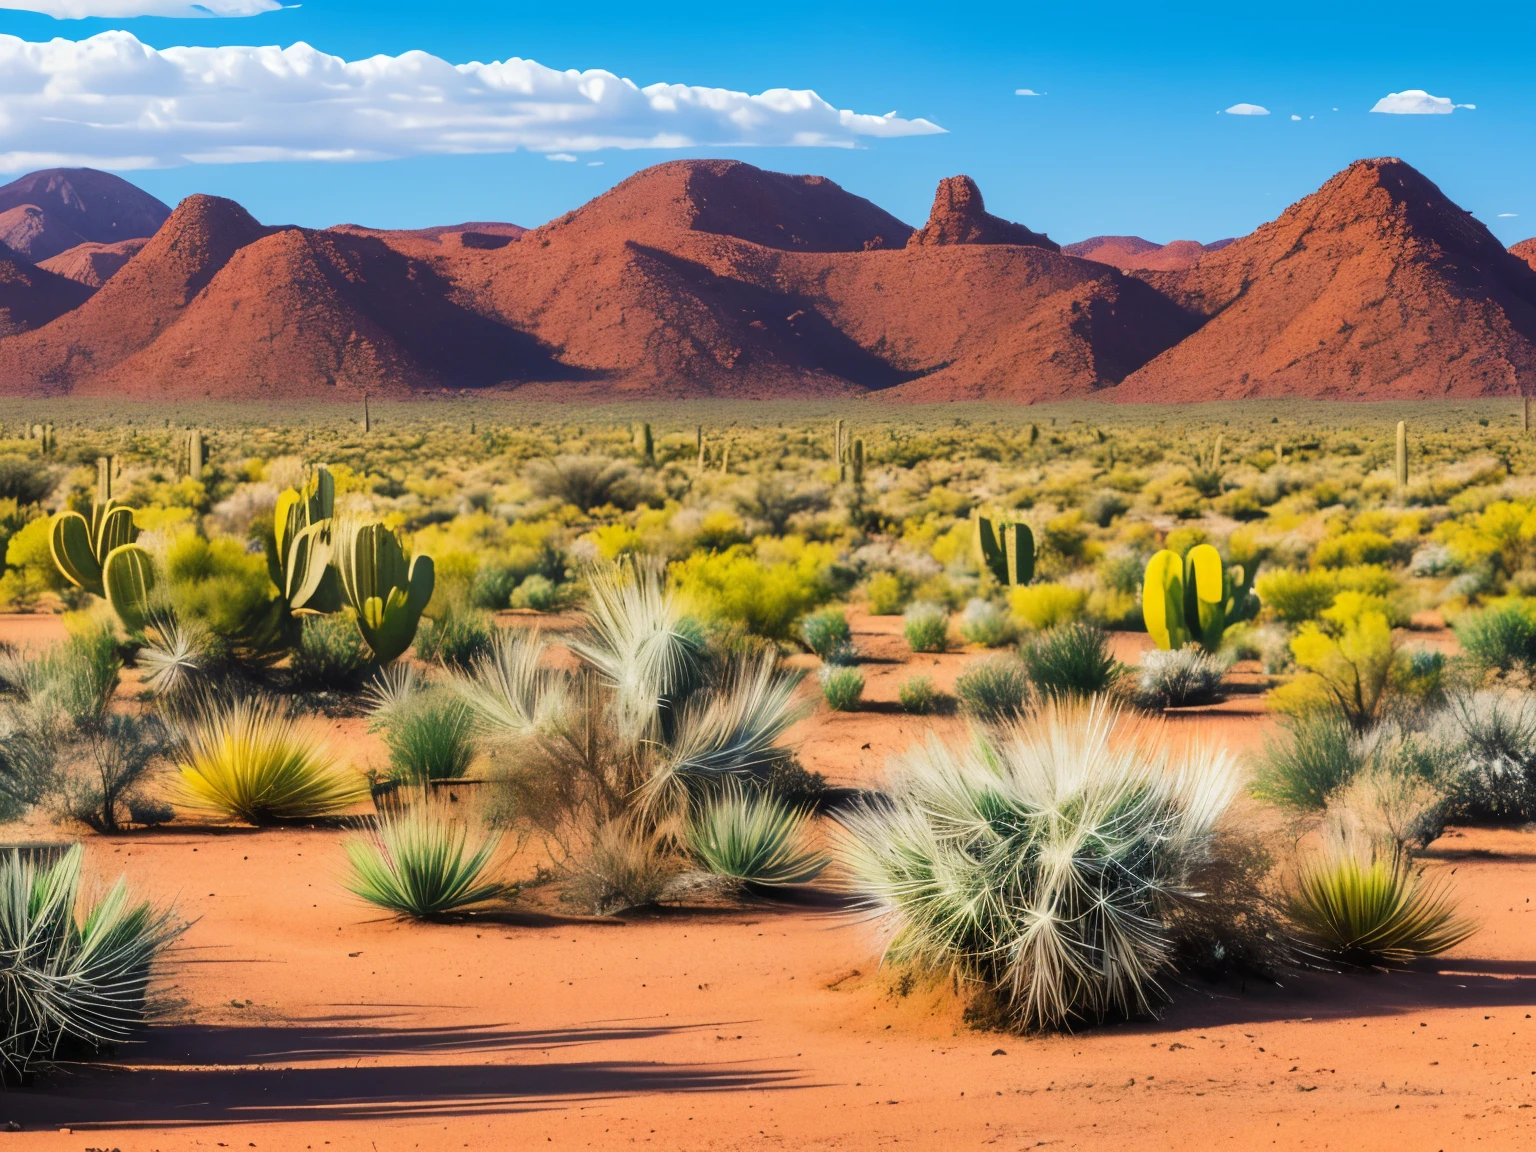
(1134, 252)
(31, 296)
(1375, 286)
(959, 216)
(93, 264)
(45, 213)
(1526, 250)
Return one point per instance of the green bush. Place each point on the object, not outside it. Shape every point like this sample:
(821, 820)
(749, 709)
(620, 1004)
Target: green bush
(1070, 660)
(432, 737)
(536, 592)
(1489, 740)
(765, 596)
(986, 624)
(457, 638)
(1502, 636)
(926, 627)
(841, 687)
(330, 655)
(827, 634)
(1317, 756)
(419, 863)
(994, 690)
(918, 695)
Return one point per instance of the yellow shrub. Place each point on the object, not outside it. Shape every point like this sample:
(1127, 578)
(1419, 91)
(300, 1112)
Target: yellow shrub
(887, 593)
(30, 568)
(1042, 606)
(1350, 670)
(1351, 548)
(765, 593)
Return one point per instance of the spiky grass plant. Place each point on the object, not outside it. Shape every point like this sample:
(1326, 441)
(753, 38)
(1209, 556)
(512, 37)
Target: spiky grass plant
(173, 658)
(918, 696)
(253, 760)
(1179, 678)
(420, 861)
(827, 634)
(74, 974)
(1070, 660)
(509, 691)
(841, 687)
(926, 627)
(1359, 905)
(987, 623)
(753, 838)
(389, 692)
(1317, 755)
(433, 738)
(1490, 739)
(457, 638)
(1502, 637)
(994, 690)
(1039, 863)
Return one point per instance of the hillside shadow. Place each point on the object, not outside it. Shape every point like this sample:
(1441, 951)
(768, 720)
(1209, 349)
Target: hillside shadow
(193, 1075)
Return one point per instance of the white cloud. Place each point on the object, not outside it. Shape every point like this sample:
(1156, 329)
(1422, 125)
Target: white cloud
(1506, 215)
(1416, 102)
(565, 156)
(1027, 92)
(126, 9)
(1247, 110)
(1294, 116)
(594, 163)
(113, 102)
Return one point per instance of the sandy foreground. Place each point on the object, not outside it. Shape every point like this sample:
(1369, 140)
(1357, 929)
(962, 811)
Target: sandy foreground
(303, 1021)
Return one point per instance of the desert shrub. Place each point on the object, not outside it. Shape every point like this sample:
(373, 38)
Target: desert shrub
(1039, 864)
(1179, 678)
(587, 482)
(256, 762)
(76, 971)
(1070, 660)
(1351, 548)
(30, 568)
(1501, 637)
(1316, 756)
(625, 866)
(993, 690)
(1295, 596)
(926, 627)
(1395, 809)
(918, 695)
(1350, 671)
(70, 682)
(887, 593)
(330, 655)
(1044, 606)
(841, 687)
(457, 638)
(827, 634)
(986, 624)
(1489, 739)
(775, 502)
(430, 738)
(1358, 905)
(1103, 508)
(419, 862)
(753, 838)
(26, 479)
(764, 595)
(117, 756)
(223, 588)
(536, 592)
(493, 586)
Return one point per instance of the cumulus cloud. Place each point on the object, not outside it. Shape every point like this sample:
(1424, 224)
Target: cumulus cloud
(126, 9)
(113, 102)
(1027, 92)
(1416, 102)
(1247, 110)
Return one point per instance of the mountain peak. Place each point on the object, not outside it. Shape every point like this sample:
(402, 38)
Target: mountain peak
(960, 216)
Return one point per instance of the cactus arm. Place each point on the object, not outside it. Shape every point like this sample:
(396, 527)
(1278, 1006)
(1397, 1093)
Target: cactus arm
(422, 581)
(128, 577)
(1162, 600)
(989, 550)
(287, 519)
(117, 529)
(321, 491)
(1021, 554)
(70, 542)
(1207, 587)
(308, 562)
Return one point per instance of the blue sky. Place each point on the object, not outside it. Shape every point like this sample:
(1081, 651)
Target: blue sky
(1126, 139)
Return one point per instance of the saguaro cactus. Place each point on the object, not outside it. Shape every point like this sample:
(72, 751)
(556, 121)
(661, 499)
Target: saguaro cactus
(367, 419)
(80, 547)
(387, 591)
(1402, 455)
(1005, 550)
(196, 454)
(858, 463)
(645, 444)
(103, 480)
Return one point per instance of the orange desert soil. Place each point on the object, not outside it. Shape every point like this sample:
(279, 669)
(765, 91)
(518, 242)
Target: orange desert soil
(305, 1021)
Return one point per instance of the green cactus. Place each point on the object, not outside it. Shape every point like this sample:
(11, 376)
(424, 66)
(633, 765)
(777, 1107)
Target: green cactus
(387, 592)
(300, 551)
(1195, 599)
(1006, 550)
(645, 445)
(128, 577)
(197, 454)
(103, 480)
(1402, 455)
(367, 419)
(858, 463)
(80, 547)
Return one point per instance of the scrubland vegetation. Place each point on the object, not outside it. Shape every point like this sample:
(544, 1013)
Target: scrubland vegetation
(228, 582)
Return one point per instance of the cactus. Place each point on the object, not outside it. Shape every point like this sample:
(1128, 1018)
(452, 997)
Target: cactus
(103, 480)
(645, 444)
(1402, 456)
(1195, 599)
(858, 463)
(387, 592)
(80, 547)
(1525, 413)
(48, 439)
(196, 454)
(299, 557)
(1034, 434)
(128, 577)
(1216, 454)
(1006, 550)
(367, 419)
(837, 440)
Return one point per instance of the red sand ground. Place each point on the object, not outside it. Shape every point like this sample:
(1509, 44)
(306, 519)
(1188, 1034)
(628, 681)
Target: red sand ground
(307, 1022)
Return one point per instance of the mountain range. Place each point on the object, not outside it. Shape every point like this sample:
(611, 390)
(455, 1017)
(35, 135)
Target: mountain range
(715, 278)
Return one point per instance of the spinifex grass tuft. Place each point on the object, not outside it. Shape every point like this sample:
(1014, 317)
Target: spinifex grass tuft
(755, 839)
(254, 761)
(419, 862)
